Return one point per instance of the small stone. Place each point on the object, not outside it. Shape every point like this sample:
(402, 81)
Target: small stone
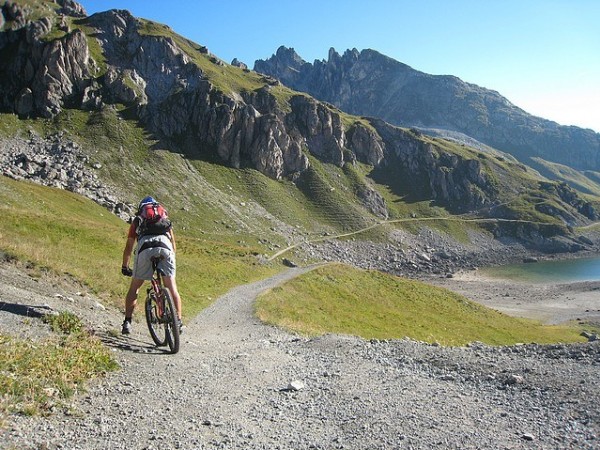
(589, 336)
(295, 386)
(514, 379)
(528, 437)
(425, 257)
(288, 263)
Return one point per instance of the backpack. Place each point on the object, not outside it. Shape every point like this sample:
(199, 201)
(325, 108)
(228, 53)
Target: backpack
(153, 220)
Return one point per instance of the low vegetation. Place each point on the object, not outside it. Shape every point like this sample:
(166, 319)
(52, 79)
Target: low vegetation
(373, 305)
(65, 322)
(585, 182)
(37, 377)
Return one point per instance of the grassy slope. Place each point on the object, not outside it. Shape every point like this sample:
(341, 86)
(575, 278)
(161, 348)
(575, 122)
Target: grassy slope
(65, 233)
(36, 377)
(340, 299)
(585, 182)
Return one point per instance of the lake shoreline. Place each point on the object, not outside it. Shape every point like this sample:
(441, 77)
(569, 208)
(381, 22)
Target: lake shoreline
(550, 303)
(433, 258)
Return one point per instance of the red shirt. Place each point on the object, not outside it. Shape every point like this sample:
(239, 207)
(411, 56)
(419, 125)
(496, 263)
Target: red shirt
(132, 233)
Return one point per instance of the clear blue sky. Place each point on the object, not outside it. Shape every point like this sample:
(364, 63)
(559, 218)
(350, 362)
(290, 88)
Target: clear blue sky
(543, 55)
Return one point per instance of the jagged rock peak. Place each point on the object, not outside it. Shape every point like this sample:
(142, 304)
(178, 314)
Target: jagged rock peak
(351, 54)
(284, 60)
(288, 58)
(288, 54)
(333, 55)
(349, 58)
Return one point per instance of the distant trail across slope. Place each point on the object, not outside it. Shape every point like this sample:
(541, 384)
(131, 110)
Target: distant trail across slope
(412, 219)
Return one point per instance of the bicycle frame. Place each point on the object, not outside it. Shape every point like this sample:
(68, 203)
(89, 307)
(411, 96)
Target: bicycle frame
(157, 287)
(162, 317)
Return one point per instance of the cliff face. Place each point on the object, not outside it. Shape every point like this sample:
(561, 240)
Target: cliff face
(63, 59)
(38, 76)
(444, 177)
(369, 83)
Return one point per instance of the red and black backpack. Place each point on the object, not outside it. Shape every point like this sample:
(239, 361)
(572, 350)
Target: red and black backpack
(153, 220)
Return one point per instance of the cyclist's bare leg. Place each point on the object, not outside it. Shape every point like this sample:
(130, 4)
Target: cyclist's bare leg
(132, 295)
(172, 285)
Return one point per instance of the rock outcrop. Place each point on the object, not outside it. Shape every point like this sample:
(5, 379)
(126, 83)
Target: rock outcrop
(444, 177)
(41, 76)
(237, 63)
(570, 197)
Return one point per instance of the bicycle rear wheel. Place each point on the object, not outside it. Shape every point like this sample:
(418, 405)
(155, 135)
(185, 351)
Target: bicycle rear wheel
(171, 321)
(155, 324)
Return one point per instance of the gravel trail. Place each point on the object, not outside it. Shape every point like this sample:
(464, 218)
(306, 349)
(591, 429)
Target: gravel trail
(240, 384)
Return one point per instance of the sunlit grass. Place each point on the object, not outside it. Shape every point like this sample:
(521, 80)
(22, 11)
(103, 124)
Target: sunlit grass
(38, 376)
(370, 304)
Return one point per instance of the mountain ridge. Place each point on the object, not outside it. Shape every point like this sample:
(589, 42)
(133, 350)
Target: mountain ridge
(371, 84)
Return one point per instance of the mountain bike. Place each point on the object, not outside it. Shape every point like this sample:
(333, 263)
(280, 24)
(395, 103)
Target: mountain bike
(161, 315)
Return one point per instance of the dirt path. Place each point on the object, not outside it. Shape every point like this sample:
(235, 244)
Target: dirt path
(240, 384)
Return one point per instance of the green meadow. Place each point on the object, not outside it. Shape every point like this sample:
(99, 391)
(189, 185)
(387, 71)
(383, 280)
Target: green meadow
(340, 299)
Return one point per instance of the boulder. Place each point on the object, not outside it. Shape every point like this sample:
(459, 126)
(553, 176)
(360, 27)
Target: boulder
(235, 62)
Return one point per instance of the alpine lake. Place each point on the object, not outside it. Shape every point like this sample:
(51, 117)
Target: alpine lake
(552, 271)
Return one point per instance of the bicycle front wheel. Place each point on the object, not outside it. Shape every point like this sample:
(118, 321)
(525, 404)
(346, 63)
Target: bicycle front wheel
(155, 322)
(171, 321)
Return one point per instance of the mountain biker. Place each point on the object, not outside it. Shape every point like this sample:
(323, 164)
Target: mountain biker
(149, 245)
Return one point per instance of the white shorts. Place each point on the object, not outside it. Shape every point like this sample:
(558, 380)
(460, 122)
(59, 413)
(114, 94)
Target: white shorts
(142, 267)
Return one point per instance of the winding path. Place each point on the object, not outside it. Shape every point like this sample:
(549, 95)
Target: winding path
(230, 388)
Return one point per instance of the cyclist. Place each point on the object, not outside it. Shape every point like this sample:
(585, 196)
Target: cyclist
(157, 242)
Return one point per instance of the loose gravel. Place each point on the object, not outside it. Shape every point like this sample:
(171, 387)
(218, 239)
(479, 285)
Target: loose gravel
(239, 384)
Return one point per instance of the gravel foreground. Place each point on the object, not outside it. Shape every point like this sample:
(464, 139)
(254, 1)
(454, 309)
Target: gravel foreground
(239, 384)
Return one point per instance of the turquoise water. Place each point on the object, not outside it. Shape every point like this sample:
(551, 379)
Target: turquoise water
(585, 269)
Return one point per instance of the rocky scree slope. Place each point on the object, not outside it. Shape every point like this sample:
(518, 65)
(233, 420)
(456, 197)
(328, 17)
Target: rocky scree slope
(371, 84)
(53, 57)
(59, 163)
